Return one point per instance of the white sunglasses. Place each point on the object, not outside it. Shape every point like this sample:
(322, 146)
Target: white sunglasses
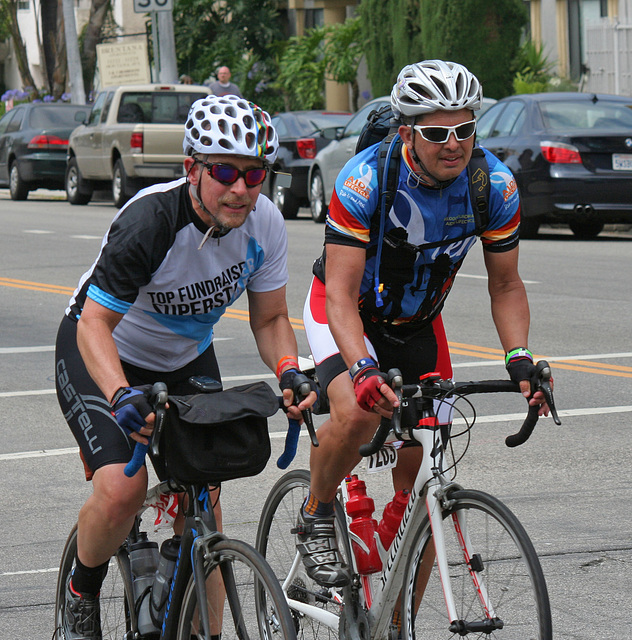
(439, 135)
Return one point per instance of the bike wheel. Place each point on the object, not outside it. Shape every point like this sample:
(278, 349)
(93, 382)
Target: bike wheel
(254, 606)
(117, 616)
(506, 561)
(278, 545)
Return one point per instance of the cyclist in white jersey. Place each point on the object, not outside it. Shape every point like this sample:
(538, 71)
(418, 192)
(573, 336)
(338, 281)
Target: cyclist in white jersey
(173, 260)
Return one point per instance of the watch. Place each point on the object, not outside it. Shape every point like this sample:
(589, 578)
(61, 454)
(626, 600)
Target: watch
(363, 363)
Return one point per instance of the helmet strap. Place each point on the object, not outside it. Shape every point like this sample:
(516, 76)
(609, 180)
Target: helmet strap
(216, 230)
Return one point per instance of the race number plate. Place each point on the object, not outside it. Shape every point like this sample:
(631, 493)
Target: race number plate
(622, 161)
(385, 458)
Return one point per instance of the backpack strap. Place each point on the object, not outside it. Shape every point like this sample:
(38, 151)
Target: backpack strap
(479, 188)
(388, 160)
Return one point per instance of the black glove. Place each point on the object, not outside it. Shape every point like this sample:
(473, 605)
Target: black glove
(130, 407)
(294, 379)
(521, 368)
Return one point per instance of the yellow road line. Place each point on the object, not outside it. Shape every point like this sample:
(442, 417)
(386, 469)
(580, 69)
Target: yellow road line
(458, 348)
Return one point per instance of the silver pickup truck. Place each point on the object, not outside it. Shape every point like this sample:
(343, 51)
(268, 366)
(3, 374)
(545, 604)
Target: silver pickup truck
(132, 138)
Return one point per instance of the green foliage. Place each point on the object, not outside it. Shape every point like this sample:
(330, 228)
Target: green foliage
(533, 72)
(484, 36)
(378, 40)
(302, 71)
(239, 34)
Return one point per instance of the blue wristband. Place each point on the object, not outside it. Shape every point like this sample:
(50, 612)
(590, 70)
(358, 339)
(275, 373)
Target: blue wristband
(361, 365)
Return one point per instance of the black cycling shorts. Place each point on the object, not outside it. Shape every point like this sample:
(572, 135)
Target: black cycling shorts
(89, 414)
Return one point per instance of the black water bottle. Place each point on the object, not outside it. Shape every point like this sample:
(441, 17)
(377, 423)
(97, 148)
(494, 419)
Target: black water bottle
(162, 578)
(143, 558)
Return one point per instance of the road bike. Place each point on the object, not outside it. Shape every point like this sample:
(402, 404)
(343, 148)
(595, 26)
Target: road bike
(460, 564)
(205, 565)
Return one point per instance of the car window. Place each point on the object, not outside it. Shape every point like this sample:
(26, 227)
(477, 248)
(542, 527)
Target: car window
(107, 105)
(4, 121)
(358, 121)
(280, 127)
(485, 122)
(317, 121)
(506, 123)
(97, 108)
(160, 107)
(576, 114)
(52, 116)
(16, 121)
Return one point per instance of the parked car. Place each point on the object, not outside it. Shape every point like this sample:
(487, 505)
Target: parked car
(329, 161)
(132, 138)
(33, 144)
(300, 140)
(571, 155)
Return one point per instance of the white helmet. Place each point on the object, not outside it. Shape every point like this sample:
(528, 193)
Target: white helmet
(229, 124)
(435, 85)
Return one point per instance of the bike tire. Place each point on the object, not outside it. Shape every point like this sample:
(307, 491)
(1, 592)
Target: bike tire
(278, 545)
(117, 616)
(257, 607)
(512, 576)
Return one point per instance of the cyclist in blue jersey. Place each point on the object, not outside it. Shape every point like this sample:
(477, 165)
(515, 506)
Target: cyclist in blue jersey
(375, 301)
(173, 260)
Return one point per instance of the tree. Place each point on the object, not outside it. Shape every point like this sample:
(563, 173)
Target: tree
(91, 37)
(457, 30)
(10, 20)
(342, 53)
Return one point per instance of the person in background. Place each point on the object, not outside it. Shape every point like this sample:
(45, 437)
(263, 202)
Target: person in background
(185, 79)
(223, 86)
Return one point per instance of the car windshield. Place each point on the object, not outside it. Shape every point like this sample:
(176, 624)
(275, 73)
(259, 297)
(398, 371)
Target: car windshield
(309, 123)
(156, 107)
(563, 116)
(52, 116)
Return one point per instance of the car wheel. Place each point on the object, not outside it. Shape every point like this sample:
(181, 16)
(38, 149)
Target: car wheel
(586, 229)
(120, 189)
(17, 187)
(78, 191)
(317, 197)
(285, 200)
(529, 228)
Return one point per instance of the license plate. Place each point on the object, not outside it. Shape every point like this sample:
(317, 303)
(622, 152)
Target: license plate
(385, 458)
(622, 161)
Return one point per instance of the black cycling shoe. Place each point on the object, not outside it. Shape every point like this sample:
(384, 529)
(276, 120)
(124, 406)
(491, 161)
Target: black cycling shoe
(82, 616)
(319, 551)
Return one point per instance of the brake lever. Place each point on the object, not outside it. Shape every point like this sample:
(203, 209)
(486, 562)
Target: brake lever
(543, 377)
(395, 380)
(158, 397)
(302, 388)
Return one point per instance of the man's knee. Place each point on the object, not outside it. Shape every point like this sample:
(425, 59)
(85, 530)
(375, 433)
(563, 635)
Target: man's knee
(119, 496)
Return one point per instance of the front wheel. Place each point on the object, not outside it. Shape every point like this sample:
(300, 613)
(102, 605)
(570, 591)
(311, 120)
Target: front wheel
(254, 606)
(78, 191)
(117, 611)
(501, 563)
(277, 543)
(120, 187)
(285, 200)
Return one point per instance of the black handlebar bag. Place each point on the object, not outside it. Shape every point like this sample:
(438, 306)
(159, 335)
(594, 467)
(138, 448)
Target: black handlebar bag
(213, 437)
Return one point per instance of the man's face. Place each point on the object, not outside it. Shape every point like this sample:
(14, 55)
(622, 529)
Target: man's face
(230, 204)
(223, 74)
(444, 160)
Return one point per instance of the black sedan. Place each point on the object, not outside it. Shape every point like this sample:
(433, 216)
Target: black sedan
(571, 154)
(33, 145)
(299, 141)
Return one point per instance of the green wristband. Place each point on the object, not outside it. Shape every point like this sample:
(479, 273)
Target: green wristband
(520, 352)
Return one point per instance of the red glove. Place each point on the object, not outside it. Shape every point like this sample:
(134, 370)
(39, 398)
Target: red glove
(367, 387)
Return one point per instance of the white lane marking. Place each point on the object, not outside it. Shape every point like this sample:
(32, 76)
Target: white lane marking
(43, 349)
(22, 573)
(471, 275)
(87, 237)
(37, 231)
(507, 417)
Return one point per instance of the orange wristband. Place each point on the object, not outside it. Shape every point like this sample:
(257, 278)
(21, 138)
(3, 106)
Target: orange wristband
(285, 360)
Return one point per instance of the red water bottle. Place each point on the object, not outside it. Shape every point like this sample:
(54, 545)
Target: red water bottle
(360, 508)
(392, 517)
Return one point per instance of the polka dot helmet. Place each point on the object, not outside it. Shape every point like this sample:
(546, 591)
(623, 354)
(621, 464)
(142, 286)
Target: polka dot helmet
(229, 124)
(435, 85)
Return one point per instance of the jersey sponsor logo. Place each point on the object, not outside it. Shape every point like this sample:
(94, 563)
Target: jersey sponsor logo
(510, 190)
(76, 406)
(199, 297)
(361, 184)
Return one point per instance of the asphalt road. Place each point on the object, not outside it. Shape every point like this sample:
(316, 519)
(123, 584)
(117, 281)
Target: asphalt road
(570, 486)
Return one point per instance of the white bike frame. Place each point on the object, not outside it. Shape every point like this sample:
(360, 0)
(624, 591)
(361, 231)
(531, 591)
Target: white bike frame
(380, 596)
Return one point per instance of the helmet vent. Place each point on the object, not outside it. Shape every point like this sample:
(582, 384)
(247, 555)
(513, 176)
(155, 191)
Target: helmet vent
(206, 141)
(237, 132)
(250, 140)
(223, 126)
(225, 144)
